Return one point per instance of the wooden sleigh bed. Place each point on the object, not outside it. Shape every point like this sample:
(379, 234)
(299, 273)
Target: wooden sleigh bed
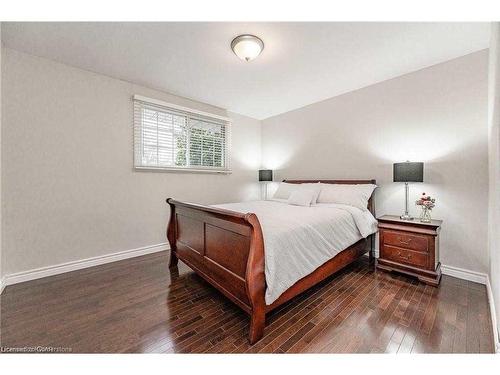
(226, 248)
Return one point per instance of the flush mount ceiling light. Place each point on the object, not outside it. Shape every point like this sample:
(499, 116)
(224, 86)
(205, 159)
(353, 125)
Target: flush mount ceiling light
(247, 47)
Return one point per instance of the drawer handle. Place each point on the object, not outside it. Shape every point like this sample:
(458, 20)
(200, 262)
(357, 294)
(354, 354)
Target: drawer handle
(404, 242)
(408, 257)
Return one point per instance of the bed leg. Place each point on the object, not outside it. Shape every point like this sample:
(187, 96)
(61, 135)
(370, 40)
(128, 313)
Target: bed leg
(257, 323)
(371, 254)
(371, 258)
(173, 259)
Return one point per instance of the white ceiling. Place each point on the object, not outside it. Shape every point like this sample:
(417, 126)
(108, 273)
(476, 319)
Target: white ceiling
(302, 63)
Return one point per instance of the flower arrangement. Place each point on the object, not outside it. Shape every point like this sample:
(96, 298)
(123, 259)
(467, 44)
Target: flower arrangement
(427, 203)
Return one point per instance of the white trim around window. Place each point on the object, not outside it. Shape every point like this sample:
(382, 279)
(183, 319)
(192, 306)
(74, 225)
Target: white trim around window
(172, 138)
(179, 108)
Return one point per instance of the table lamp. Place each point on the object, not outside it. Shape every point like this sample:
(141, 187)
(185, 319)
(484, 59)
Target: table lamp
(408, 172)
(265, 175)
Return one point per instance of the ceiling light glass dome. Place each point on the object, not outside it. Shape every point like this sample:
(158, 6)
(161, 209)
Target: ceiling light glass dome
(247, 47)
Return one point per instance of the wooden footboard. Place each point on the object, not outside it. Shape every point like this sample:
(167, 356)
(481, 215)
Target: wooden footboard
(226, 248)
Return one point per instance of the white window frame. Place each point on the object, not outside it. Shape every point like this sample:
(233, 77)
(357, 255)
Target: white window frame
(186, 111)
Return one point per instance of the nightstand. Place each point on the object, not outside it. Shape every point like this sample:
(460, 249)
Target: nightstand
(410, 247)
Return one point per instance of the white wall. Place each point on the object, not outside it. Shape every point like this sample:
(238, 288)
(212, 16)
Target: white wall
(69, 189)
(494, 164)
(436, 115)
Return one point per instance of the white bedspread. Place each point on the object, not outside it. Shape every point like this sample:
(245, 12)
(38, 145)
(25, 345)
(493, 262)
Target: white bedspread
(299, 239)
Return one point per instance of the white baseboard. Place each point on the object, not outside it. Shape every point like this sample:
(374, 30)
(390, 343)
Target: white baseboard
(2, 285)
(38, 273)
(493, 315)
(464, 274)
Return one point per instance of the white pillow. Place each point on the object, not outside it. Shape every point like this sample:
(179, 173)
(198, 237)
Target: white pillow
(304, 195)
(315, 187)
(284, 190)
(352, 195)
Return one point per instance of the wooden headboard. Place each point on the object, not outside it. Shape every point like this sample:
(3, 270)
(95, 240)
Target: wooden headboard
(371, 203)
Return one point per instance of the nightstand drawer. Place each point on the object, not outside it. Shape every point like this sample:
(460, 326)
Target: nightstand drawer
(406, 241)
(405, 256)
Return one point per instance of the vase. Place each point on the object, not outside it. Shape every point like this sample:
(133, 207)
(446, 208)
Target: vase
(425, 216)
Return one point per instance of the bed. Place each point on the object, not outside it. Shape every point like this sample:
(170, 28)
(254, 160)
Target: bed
(261, 267)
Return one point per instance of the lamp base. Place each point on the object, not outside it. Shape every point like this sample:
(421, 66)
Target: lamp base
(406, 217)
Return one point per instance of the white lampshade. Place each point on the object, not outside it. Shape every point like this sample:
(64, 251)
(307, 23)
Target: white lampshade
(247, 47)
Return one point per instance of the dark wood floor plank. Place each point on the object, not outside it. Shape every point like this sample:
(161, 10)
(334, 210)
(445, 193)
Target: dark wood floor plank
(386, 325)
(422, 342)
(412, 318)
(278, 325)
(473, 330)
(460, 337)
(398, 329)
(139, 305)
(446, 318)
(379, 322)
(355, 328)
(303, 316)
(337, 322)
(486, 345)
(354, 321)
(334, 317)
(375, 322)
(321, 317)
(326, 340)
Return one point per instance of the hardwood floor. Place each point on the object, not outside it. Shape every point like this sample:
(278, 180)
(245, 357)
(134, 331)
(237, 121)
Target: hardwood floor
(138, 305)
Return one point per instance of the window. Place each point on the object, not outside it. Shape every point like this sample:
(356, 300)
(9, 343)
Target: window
(171, 137)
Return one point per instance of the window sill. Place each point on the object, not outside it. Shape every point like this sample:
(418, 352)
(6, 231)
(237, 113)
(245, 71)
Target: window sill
(181, 170)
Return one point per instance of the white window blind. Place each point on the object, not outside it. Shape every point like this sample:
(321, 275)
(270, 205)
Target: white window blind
(170, 137)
